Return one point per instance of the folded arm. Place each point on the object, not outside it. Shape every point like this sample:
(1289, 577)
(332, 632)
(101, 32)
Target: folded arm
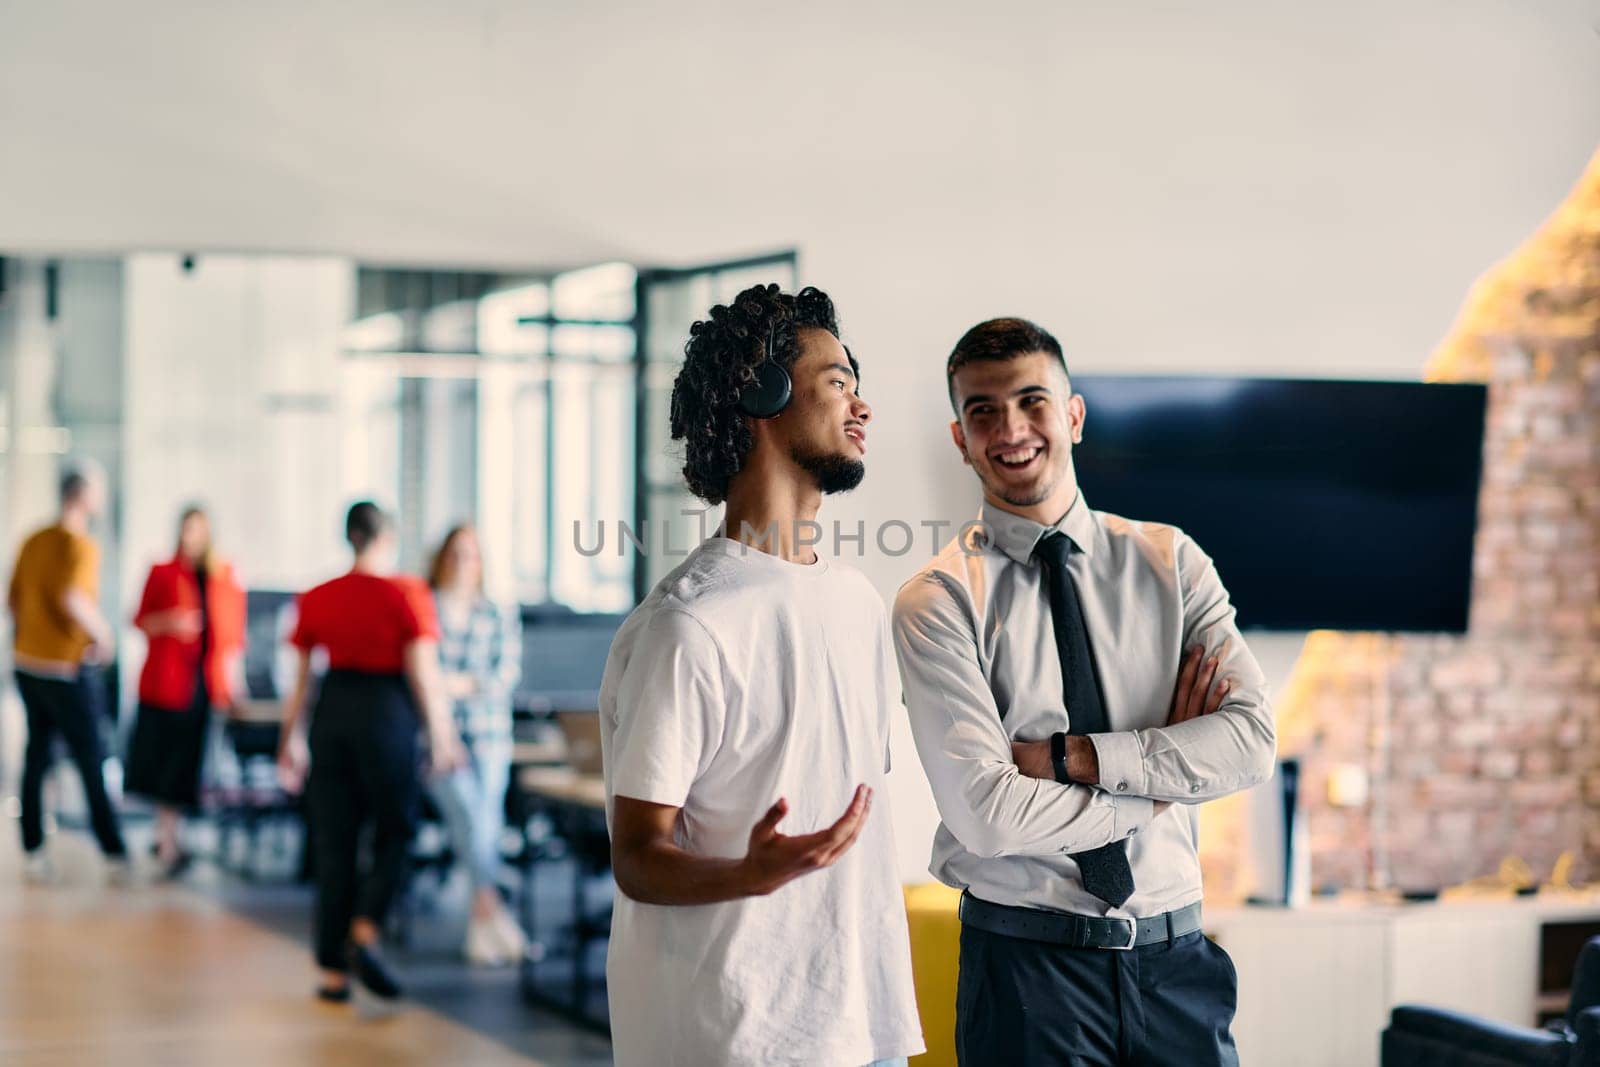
(1197, 693)
(1207, 756)
(990, 806)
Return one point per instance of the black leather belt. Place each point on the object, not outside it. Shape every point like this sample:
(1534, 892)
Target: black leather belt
(1078, 931)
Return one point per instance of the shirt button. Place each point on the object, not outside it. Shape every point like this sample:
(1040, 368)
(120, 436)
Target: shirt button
(1195, 788)
(1133, 831)
(1122, 787)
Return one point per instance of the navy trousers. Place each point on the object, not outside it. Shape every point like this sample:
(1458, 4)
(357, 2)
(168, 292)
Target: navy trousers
(1032, 1002)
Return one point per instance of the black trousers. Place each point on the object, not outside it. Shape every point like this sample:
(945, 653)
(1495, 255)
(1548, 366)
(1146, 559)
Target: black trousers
(69, 710)
(364, 777)
(1031, 1002)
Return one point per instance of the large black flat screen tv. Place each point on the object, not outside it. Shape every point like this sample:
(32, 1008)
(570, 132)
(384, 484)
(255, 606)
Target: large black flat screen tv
(1325, 504)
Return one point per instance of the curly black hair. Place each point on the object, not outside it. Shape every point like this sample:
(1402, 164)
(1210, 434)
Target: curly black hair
(720, 359)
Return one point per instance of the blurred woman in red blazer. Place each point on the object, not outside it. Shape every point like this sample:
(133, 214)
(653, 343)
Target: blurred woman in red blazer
(193, 613)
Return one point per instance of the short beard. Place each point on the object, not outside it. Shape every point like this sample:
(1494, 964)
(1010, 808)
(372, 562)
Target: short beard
(1025, 500)
(834, 473)
(1020, 497)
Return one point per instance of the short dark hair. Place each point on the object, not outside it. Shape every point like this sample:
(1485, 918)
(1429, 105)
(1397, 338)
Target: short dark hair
(76, 478)
(720, 359)
(73, 483)
(998, 340)
(363, 523)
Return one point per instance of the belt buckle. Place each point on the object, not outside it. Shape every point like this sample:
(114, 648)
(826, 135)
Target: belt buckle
(1133, 935)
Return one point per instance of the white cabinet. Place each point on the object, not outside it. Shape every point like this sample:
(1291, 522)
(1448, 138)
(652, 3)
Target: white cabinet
(1316, 984)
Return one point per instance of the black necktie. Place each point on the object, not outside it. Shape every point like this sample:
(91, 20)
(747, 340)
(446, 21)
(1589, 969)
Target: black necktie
(1105, 870)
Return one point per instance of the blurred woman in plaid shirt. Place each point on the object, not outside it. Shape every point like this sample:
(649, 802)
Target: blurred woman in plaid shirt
(480, 656)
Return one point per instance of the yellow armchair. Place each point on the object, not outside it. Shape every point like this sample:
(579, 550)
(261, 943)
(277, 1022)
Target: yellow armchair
(935, 955)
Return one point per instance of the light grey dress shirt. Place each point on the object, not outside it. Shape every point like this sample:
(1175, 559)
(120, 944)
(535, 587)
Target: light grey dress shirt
(978, 658)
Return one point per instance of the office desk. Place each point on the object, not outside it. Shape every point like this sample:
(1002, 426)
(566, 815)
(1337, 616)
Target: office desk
(565, 787)
(575, 805)
(537, 753)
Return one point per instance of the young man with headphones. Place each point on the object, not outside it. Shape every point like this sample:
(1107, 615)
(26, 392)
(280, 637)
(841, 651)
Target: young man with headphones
(745, 726)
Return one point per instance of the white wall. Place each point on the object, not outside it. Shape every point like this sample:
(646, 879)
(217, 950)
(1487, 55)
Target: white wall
(1241, 186)
(232, 400)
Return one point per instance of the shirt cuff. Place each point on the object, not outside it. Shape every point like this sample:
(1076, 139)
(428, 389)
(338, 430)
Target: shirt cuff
(1121, 762)
(1131, 814)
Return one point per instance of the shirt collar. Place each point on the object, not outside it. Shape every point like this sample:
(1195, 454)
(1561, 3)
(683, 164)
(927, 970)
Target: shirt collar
(1016, 536)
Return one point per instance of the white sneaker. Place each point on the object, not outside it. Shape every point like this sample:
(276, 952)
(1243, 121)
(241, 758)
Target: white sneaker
(513, 942)
(483, 944)
(39, 869)
(120, 872)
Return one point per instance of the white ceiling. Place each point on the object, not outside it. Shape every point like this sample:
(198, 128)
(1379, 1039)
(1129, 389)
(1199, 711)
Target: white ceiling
(551, 134)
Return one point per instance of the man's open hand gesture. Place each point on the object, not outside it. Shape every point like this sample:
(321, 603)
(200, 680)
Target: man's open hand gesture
(776, 859)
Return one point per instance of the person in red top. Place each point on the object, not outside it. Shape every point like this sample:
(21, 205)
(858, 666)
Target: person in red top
(380, 637)
(192, 612)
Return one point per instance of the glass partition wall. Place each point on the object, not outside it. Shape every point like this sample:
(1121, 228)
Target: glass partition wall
(506, 402)
(527, 405)
(276, 389)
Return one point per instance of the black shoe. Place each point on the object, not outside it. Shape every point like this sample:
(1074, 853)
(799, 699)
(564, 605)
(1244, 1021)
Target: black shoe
(334, 994)
(368, 968)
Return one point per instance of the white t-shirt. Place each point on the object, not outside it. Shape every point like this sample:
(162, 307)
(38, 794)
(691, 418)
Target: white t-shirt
(741, 678)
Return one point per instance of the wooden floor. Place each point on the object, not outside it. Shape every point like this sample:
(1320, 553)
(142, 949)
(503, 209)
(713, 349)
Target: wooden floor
(170, 976)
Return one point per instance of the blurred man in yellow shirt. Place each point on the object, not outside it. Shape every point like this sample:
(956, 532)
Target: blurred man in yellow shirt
(60, 638)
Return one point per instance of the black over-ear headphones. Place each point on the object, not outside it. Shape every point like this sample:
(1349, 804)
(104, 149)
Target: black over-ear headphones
(768, 395)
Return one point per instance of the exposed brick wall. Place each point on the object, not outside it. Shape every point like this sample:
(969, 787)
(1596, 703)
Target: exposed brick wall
(1484, 745)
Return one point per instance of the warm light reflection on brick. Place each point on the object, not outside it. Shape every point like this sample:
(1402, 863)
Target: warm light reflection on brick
(1488, 744)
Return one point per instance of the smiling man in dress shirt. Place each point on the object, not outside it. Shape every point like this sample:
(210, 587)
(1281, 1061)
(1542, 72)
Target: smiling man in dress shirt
(1076, 685)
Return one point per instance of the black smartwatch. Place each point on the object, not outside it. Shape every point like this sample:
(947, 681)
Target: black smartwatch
(1058, 756)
